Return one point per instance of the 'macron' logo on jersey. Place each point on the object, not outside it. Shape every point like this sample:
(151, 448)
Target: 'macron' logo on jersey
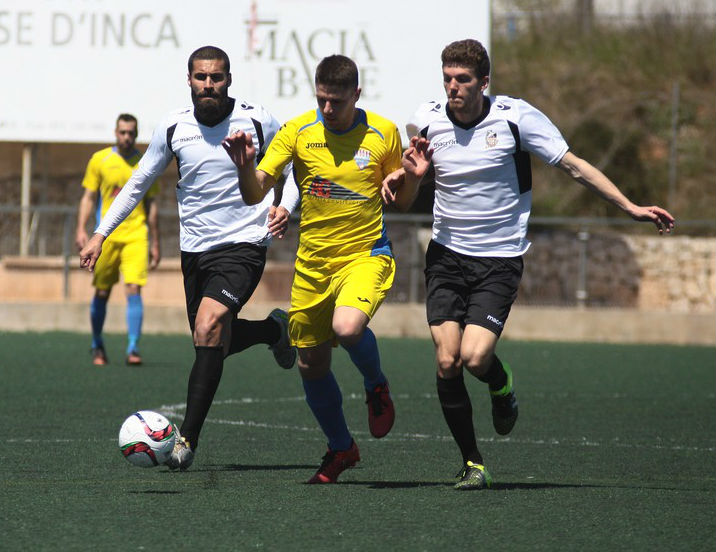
(324, 188)
(362, 158)
(491, 138)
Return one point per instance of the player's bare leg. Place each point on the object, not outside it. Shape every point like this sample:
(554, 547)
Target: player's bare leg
(351, 328)
(324, 398)
(478, 356)
(211, 331)
(456, 405)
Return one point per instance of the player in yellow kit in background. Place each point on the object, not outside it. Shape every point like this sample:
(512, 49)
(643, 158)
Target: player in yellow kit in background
(344, 263)
(126, 250)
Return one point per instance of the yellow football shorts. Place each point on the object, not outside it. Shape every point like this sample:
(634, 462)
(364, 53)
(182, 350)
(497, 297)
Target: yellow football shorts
(129, 258)
(318, 289)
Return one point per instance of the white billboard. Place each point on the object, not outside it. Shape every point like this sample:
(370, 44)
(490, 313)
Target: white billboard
(71, 66)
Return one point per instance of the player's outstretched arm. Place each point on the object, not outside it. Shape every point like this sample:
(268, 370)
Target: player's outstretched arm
(91, 252)
(254, 185)
(87, 207)
(155, 254)
(401, 187)
(596, 181)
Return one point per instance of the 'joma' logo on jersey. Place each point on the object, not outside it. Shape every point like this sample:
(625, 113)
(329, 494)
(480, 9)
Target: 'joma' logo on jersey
(230, 296)
(316, 145)
(495, 320)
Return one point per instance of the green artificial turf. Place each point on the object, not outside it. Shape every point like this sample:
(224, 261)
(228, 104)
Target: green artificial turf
(614, 450)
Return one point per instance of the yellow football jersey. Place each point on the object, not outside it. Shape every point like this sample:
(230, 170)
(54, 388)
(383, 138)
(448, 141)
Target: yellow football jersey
(339, 175)
(107, 172)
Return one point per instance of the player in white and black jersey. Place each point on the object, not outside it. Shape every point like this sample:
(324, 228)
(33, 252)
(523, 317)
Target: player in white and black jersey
(480, 146)
(223, 240)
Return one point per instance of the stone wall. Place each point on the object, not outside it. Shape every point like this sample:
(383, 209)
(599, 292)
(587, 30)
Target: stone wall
(677, 274)
(668, 273)
(672, 273)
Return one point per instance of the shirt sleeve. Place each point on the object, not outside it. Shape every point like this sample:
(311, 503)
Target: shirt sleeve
(539, 135)
(279, 152)
(152, 164)
(420, 118)
(153, 190)
(394, 151)
(91, 181)
(291, 195)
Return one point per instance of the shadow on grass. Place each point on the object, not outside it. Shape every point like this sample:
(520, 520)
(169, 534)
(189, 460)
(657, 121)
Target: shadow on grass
(150, 491)
(498, 486)
(495, 486)
(257, 467)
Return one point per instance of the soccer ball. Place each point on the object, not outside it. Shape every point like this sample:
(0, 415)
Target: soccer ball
(147, 438)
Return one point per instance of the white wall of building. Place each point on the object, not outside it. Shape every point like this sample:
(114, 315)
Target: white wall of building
(73, 65)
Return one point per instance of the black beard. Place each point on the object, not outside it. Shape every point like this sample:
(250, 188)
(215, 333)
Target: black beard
(212, 113)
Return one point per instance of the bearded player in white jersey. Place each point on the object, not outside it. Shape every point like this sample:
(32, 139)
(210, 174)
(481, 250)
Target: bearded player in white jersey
(223, 240)
(479, 146)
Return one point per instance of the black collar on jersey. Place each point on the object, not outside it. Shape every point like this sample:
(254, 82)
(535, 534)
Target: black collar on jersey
(485, 111)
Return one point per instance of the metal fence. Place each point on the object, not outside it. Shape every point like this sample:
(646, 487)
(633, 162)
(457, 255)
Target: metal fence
(568, 241)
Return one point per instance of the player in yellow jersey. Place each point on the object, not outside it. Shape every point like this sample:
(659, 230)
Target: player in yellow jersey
(344, 264)
(126, 250)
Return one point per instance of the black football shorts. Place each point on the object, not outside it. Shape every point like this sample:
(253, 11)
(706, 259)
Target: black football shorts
(229, 274)
(470, 290)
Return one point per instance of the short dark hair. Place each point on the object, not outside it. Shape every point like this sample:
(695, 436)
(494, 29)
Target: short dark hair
(127, 118)
(337, 70)
(467, 53)
(209, 52)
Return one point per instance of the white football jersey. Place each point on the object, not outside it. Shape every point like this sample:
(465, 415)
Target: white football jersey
(211, 209)
(483, 180)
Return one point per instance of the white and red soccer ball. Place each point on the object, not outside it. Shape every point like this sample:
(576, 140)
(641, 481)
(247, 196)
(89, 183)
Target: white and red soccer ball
(147, 439)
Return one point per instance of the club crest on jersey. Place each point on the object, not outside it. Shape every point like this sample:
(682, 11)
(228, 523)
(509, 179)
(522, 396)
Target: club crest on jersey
(362, 158)
(491, 139)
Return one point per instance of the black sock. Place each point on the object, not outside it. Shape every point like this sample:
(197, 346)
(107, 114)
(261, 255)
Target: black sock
(495, 377)
(203, 382)
(246, 333)
(457, 410)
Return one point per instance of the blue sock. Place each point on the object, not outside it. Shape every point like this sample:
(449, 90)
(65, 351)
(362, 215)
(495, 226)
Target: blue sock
(366, 357)
(135, 313)
(98, 312)
(325, 400)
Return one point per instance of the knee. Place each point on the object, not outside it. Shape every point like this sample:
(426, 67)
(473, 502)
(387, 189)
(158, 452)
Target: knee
(311, 371)
(449, 365)
(347, 332)
(478, 362)
(133, 289)
(207, 331)
(102, 293)
(312, 365)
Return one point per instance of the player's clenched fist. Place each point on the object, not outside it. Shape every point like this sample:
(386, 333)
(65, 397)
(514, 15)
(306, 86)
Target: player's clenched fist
(241, 149)
(91, 252)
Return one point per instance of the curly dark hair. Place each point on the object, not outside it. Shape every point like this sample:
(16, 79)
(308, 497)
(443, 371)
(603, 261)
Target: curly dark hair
(467, 53)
